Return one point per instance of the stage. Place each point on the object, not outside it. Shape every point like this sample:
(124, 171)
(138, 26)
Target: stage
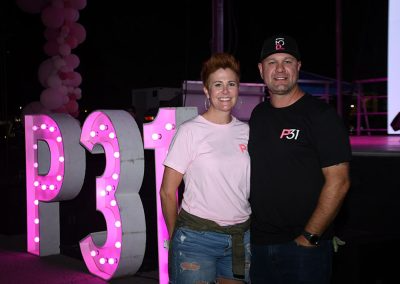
(375, 146)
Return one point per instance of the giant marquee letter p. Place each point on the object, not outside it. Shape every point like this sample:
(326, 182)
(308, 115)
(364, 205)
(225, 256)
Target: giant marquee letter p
(55, 170)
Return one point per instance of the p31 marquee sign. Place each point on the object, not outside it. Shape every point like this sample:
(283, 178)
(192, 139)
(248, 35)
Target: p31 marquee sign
(55, 170)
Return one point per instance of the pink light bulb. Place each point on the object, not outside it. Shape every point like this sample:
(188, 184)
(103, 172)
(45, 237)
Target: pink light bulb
(52, 129)
(111, 135)
(36, 239)
(59, 139)
(115, 176)
(102, 260)
(92, 134)
(36, 221)
(113, 203)
(43, 126)
(117, 224)
(61, 159)
(34, 128)
(118, 244)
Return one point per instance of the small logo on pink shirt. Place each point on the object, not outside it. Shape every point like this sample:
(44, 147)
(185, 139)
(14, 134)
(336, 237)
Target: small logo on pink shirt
(243, 147)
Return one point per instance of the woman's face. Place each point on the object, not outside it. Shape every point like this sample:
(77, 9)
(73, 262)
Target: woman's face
(222, 89)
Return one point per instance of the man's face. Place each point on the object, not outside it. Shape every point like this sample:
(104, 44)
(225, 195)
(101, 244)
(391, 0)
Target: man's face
(280, 72)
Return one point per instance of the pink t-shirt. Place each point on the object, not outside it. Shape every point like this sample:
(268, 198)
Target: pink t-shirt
(216, 167)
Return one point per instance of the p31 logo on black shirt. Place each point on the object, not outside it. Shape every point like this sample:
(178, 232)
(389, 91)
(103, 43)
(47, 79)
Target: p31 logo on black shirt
(290, 134)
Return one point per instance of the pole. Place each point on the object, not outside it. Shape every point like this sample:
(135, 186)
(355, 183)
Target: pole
(339, 96)
(217, 26)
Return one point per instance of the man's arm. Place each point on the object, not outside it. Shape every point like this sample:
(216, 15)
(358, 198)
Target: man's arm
(171, 181)
(337, 183)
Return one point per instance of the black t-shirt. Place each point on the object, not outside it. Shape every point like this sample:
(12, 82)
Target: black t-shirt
(288, 148)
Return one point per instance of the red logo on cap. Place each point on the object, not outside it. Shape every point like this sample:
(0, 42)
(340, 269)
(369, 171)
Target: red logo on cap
(279, 43)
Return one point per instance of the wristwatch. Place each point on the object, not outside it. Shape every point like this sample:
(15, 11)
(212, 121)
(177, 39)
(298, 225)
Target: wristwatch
(311, 238)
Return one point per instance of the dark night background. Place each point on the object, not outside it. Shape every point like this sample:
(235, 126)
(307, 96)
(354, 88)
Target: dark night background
(147, 44)
(144, 44)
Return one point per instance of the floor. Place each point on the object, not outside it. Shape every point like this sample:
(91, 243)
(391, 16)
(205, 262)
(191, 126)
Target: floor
(376, 145)
(17, 266)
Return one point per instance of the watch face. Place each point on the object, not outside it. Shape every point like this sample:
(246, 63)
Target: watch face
(314, 239)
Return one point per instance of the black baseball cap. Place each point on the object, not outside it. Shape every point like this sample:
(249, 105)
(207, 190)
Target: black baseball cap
(280, 44)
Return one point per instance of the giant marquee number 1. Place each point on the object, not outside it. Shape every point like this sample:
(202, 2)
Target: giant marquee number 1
(158, 135)
(55, 164)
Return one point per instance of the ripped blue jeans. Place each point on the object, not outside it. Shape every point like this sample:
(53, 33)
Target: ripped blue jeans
(203, 257)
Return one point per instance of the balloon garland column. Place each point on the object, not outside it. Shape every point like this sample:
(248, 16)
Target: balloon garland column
(63, 34)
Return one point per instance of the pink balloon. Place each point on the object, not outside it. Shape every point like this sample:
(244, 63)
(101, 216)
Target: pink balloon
(46, 69)
(63, 90)
(64, 49)
(54, 81)
(75, 114)
(72, 61)
(65, 99)
(32, 6)
(72, 106)
(60, 40)
(61, 109)
(51, 98)
(71, 41)
(58, 62)
(77, 31)
(53, 17)
(78, 93)
(76, 4)
(76, 79)
(57, 3)
(71, 79)
(66, 69)
(63, 75)
(71, 15)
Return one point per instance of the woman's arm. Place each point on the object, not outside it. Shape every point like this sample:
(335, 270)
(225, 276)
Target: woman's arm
(171, 180)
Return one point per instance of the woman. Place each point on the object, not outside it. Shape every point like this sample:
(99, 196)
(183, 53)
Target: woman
(210, 236)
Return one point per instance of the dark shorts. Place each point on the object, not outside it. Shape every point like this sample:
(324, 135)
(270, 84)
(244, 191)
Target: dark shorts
(290, 263)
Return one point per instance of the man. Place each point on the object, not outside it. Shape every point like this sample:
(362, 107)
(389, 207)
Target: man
(300, 155)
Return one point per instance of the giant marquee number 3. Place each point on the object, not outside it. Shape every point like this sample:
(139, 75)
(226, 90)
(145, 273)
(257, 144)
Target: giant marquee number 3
(55, 171)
